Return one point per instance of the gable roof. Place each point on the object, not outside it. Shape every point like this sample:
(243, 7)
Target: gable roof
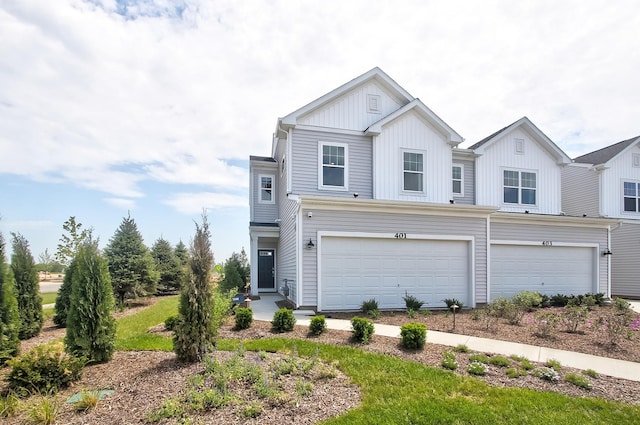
(539, 136)
(607, 153)
(416, 105)
(375, 73)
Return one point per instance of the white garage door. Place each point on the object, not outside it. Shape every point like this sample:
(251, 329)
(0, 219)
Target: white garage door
(547, 269)
(357, 269)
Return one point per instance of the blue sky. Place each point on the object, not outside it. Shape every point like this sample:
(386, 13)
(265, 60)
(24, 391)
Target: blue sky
(153, 106)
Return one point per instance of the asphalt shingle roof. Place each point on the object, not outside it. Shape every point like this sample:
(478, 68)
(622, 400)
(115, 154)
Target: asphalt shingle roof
(605, 154)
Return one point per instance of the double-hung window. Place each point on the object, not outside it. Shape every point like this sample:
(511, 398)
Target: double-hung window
(266, 189)
(457, 179)
(631, 196)
(413, 172)
(333, 172)
(519, 187)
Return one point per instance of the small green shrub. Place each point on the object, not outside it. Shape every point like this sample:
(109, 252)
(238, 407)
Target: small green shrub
(414, 335)
(499, 361)
(369, 306)
(412, 303)
(171, 408)
(44, 369)
(476, 315)
(425, 313)
(527, 365)
(547, 374)
(362, 329)
(514, 373)
(9, 405)
(527, 300)
(461, 348)
(44, 411)
(449, 361)
(318, 325)
(88, 400)
(411, 313)
(559, 300)
(590, 373)
(252, 410)
(283, 320)
(477, 368)
(621, 306)
(374, 314)
(479, 358)
(244, 318)
(574, 316)
(450, 302)
(546, 322)
(578, 380)
(553, 364)
(171, 323)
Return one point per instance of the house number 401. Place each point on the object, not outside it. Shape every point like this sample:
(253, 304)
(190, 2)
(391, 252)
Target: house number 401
(401, 236)
(547, 243)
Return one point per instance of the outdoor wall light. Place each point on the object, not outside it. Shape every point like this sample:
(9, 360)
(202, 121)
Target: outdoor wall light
(606, 252)
(310, 244)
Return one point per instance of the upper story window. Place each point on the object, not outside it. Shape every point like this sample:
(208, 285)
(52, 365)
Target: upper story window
(266, 189)
(631, 196)
(413, 172)
(333, 171)
(457, 179)
(520, 187)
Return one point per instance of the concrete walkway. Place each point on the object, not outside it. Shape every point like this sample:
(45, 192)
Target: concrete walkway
(264, 309)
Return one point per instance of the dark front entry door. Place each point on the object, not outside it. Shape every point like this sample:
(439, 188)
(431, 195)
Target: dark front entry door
(266, 270)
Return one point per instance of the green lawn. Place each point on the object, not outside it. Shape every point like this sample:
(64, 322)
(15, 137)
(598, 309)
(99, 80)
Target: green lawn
(402, 392)
(49, 297)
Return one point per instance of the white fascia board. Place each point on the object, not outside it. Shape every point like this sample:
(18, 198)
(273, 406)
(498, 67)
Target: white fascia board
(377, 73)
(426, 113)
(553, 220)
(395, 207)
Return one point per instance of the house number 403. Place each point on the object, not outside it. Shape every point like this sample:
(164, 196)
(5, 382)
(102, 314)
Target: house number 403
(401, 236)
(547, 243)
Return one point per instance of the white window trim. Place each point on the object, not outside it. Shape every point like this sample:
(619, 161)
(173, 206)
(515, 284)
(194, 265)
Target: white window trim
(321, 186)
(461, 194)
(273, 189)
(637, 183)
(519, 204)
(423, 192)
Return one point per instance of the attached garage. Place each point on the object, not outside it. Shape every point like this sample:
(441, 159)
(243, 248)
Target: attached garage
(353, 269)
(549, 269)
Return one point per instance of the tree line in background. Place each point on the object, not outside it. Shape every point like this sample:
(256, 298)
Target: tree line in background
(95, 282)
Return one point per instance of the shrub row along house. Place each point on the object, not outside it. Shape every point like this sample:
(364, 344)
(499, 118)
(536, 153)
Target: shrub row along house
(367, 195)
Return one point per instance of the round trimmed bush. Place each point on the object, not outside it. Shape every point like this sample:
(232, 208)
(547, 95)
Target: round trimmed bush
(362, 329)
(244, 318)
(414, 335)
(283, 320)
(318, 325)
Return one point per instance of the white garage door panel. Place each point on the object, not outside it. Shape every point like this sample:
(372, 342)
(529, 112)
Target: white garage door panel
(358, 269)
(548, 270)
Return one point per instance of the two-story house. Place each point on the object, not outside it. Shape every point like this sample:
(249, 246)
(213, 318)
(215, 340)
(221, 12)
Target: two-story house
(367, 195)
(606, 183)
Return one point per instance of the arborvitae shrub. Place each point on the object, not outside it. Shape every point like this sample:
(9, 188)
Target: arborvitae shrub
(64, 297)
(244, 318)
(46, 368)
(318, 325)
(362, 329)
(9, 315)
(414, 335)
(283, 320)
(27, 287)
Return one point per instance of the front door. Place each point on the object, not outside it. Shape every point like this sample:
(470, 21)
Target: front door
(266, 270)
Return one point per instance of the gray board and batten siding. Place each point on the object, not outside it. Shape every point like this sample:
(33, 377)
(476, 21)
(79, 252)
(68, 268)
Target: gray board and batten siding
(625, 240)
(385, 222)
(469, 184)
(580, 191)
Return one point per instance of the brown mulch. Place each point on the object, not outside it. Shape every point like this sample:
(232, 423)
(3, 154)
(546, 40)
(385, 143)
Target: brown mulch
(143, 380)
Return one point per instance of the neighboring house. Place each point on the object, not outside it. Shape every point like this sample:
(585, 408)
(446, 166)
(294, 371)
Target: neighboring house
(367, 195)
(606, 183)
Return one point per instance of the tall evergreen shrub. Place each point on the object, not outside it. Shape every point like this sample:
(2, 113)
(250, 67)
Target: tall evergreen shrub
(91, 328)
(64, 296)
(27, 287)
(9, 316)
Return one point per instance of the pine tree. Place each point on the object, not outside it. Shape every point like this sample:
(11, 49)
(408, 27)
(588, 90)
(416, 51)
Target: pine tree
(63, 300)
(132, 269)
(236, 272)
(9, 316)
(195, 331)
(181, 253)
(169, 267)
(27, 286)
(91, 328)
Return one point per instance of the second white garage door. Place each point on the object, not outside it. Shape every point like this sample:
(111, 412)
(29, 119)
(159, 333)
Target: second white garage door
(355, 269)
(547, 269)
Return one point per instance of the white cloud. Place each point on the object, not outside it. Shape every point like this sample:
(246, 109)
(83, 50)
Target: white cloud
(21, 225)
(125, 204)
(194, 203)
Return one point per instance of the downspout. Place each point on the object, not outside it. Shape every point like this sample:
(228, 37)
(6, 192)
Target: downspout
(298, 248)
(488, 259)
(610, 228)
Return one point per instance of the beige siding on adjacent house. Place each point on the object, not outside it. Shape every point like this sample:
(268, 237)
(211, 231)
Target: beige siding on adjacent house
(345, 221)
(580, 191)
(556, 234)
(625, 245)
(351, 111)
